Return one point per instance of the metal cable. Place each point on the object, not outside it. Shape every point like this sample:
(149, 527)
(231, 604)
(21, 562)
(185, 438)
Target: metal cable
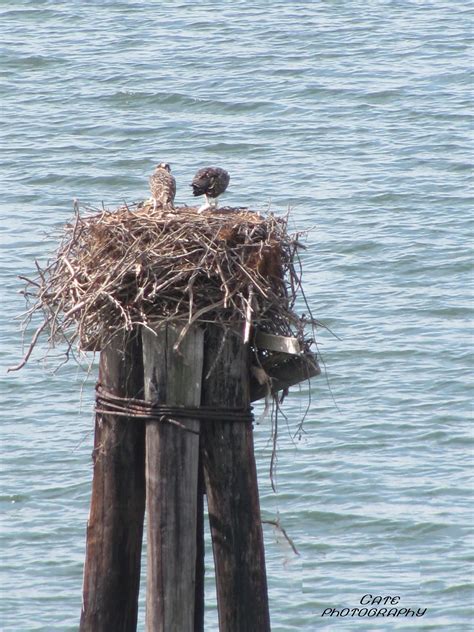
(109, 404)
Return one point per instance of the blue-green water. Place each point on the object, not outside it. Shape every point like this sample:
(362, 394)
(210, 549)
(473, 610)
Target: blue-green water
(355, 114)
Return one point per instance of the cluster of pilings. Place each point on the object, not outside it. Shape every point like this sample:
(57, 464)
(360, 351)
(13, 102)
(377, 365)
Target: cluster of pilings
(167, 468)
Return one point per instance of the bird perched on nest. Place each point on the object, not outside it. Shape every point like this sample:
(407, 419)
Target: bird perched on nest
(210, 182)
(162, 186)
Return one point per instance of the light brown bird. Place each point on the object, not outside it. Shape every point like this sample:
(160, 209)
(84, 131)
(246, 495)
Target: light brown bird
(162, 186)
(210, 182)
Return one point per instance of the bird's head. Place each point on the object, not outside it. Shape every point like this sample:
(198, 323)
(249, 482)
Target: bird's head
(164, 165)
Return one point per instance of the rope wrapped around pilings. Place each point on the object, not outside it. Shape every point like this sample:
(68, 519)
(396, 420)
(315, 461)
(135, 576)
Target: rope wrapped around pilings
(109, 404)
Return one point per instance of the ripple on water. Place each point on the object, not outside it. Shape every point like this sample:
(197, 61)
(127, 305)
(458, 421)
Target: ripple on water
(358, 122)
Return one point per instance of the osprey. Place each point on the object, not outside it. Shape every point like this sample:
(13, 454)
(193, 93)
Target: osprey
(162, 186)
(210, 182)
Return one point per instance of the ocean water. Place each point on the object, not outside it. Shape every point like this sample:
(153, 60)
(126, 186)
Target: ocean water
(357, 115)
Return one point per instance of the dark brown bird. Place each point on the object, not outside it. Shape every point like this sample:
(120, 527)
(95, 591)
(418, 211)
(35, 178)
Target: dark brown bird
(162, 186)
(210, 182)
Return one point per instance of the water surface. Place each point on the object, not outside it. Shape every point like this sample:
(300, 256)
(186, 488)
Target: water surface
(357, 116)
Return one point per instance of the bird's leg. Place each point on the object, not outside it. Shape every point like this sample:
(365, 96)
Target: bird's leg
(155, 202)
(206, 205)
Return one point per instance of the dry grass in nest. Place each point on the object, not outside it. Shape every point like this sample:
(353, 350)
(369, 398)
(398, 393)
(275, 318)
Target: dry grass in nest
(118, 269)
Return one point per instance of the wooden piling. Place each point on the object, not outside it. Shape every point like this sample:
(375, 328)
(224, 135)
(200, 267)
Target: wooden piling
(115, 526)
(172, 457)
(232, 491)
(199, 604)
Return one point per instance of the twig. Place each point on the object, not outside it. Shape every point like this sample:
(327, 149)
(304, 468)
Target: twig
(277, 524)
(30, 348)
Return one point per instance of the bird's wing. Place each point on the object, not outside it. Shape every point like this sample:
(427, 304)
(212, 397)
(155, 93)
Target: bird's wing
(172, 187)
(210, 180)
(202, 181)
(163, 186)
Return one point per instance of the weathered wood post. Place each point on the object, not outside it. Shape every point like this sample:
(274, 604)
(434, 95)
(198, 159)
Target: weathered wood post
(115, 525)
(173, 377)
(232, 490)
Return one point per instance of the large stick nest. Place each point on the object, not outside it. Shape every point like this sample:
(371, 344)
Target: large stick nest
(116, 270)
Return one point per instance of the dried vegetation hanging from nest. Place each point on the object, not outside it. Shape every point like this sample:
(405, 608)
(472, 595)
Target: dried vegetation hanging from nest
(115, 270)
